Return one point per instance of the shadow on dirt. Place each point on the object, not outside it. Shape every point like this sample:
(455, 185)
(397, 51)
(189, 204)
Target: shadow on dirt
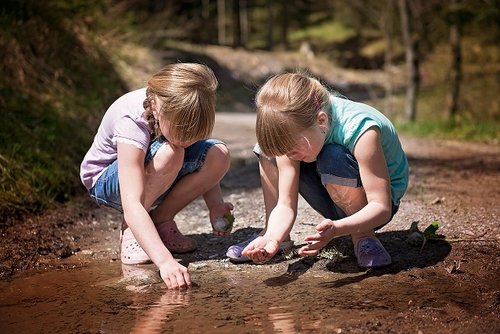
(211, 247)
(245, 176)
(404, 257)
(486, 163)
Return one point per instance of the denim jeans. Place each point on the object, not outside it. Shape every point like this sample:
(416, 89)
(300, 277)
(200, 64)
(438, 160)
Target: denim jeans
(106, 190)
(334, 165)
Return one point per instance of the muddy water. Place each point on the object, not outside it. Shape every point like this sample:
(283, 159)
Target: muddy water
(113, 298)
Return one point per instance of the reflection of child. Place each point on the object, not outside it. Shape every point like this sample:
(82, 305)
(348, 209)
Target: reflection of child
(150, 158)
(343, 157)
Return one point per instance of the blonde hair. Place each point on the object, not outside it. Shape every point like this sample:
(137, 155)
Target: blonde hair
(287, 104)
(187, 95)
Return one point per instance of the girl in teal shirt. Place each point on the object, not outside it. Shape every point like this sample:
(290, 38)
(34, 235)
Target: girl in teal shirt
(343, 157)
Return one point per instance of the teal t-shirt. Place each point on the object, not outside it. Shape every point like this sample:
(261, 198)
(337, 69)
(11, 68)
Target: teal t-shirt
(351, 119)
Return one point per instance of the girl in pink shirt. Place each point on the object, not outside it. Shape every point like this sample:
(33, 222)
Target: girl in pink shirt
(151, 157)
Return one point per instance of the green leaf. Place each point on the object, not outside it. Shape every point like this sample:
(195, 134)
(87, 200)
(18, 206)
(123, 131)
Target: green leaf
(229, 217)
(230, 220)
(430, 231)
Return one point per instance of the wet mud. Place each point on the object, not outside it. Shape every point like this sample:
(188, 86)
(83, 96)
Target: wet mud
(300, 295)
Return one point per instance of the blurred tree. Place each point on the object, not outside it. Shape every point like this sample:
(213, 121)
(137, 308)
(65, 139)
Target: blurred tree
(411, 44)
(240, 23)
(284, 23)
(221, 22)
(382, 16)
(457, 16)
(270, 25)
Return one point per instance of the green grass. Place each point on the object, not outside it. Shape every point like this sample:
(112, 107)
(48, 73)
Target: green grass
(455, 129)
(40, 153)
(329, 32)
(54, 89)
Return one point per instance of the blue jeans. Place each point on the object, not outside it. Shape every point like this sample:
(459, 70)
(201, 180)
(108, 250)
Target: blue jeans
(334, 165)
(106, 190)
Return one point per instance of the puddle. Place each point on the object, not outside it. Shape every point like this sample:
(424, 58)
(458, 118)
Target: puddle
(113, 298)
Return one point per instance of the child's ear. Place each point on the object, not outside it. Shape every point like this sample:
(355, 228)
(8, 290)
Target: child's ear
(322, 118)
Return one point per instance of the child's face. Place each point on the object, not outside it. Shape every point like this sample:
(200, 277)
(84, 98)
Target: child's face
(164, 128)
(310, 141)
(164, 125)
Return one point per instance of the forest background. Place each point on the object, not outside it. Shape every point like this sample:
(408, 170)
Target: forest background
(435, 68)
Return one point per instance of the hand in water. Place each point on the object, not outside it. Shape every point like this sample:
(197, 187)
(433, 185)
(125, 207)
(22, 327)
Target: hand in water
(175, 275)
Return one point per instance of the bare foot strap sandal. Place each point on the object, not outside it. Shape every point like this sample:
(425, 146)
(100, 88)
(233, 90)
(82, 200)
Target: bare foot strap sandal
(173, 239)
(131, 251)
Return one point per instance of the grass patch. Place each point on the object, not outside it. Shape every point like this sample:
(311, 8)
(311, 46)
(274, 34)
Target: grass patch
(53, 91)
(328, 32)
(453, 129)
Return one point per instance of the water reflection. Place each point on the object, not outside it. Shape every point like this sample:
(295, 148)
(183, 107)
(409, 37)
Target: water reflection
(110, 298)
(150, 317)
(137, 278)
(284, 320)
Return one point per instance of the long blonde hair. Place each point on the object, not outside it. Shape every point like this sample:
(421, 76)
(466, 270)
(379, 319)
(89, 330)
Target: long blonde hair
(287, 104)
(186, 92)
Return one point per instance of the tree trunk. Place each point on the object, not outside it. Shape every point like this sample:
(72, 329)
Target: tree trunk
(243, 22)
(456, 69)
(221, 22)
(236, 24)
(412, 62)
(270, 25)
(240, 23)
(388, 31)
(205, 9)
(284, 24)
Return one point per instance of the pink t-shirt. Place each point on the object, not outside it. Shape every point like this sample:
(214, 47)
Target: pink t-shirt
(123, 122)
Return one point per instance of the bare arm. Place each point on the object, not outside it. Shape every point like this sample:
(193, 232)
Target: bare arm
(376, 183)
(131, 179)
(375, 178)
(282, 217)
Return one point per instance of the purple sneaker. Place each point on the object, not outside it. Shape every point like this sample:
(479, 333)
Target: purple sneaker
(370, 253)
(234, 251)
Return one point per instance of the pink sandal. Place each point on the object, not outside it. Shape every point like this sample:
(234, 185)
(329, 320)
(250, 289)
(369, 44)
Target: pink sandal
(131, 251)
(173, 239)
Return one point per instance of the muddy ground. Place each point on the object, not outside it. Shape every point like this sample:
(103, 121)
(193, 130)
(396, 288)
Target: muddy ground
(451, 285)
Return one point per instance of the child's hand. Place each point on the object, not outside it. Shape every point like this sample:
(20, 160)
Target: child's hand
(261, 249)
(326, 232)
(222, 219)
(175, 275)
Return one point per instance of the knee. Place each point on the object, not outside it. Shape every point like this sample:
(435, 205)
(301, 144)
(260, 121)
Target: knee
(168, 159)
(337, 160)
(218, 158)
(336, 152)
